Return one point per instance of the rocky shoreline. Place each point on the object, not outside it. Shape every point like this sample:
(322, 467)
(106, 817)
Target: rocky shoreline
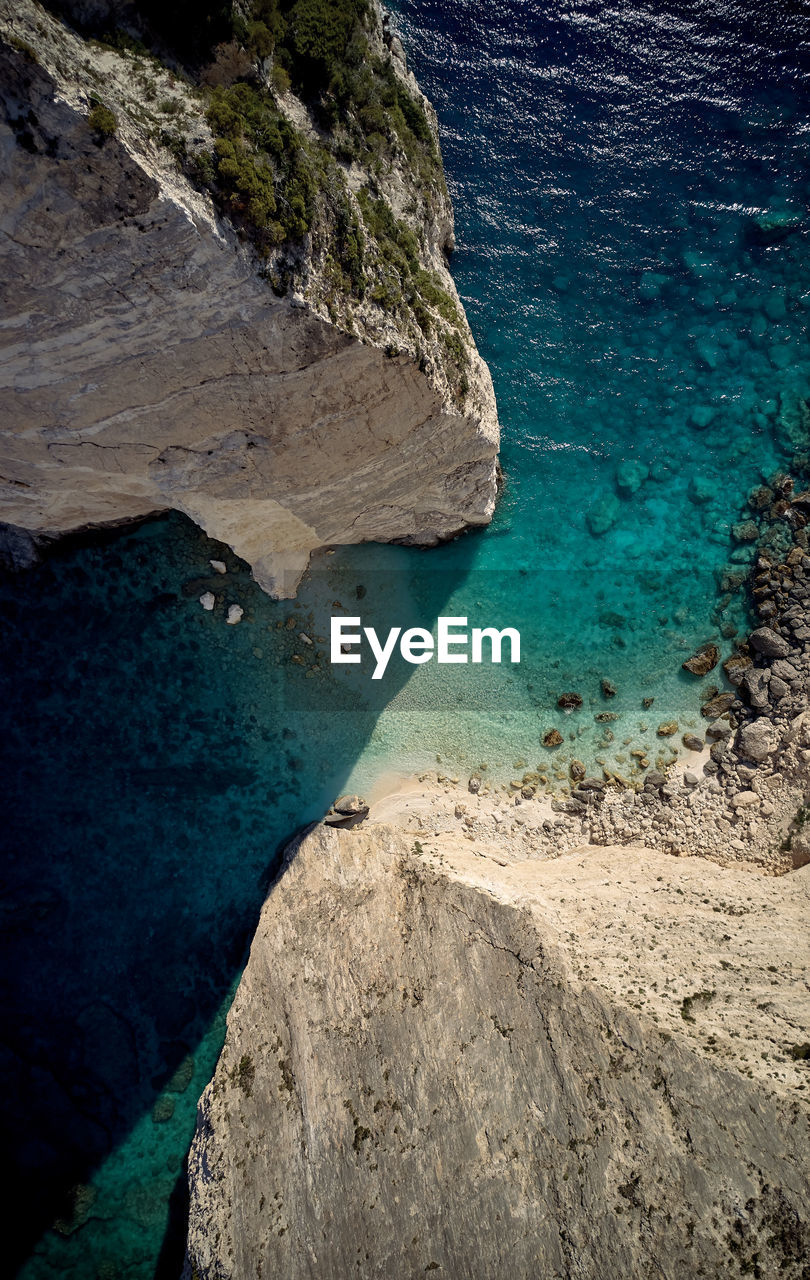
(738, 794)
(521, 1020)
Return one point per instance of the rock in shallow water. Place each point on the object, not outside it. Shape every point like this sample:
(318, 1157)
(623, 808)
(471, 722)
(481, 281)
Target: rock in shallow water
(717, 706)
(569, 701)
(704, 660)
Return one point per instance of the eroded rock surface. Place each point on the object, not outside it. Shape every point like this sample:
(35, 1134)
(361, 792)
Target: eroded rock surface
(146, 365)
(444, 1062)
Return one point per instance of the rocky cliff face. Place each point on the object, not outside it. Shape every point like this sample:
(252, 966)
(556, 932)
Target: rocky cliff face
(147, 364)
(444, 1062)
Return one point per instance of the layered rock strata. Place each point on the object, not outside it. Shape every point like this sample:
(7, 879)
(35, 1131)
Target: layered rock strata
(455, 1063)
(146, 364)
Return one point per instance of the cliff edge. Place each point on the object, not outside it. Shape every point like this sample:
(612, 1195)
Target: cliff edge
(219, 298)
(452, 1063)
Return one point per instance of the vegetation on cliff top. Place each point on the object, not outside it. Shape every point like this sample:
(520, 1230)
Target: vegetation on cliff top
(279, 184)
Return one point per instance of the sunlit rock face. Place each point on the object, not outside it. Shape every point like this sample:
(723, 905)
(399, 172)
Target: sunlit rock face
(147, 365)
(456, 1062)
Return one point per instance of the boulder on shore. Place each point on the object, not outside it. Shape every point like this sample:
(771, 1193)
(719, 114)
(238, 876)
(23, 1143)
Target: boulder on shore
(346, 809)
(755, 741)
(769, 643)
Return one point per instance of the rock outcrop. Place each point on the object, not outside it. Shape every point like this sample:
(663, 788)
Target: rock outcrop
(583, 1067)
(146, 363)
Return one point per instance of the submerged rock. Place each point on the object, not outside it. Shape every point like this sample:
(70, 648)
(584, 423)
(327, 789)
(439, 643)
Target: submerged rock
(701, 490)
(18, 550)
(630, 476)
(733, 576)
(603, 514)
(745, 531)
(702, 416)
(552, 738)
(760, 498)
(651, 285)
(775, 225)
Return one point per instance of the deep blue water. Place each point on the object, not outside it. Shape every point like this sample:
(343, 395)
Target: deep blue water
(610, 168)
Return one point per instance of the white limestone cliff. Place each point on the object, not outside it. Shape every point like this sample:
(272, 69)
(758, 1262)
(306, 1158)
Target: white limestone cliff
(511, 1069)
(146, 364)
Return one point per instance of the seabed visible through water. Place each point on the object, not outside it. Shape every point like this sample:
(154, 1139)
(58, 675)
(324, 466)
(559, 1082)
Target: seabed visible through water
(631, 193)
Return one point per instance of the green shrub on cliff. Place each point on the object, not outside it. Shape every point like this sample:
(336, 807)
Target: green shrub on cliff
(263, 171)
(102, 121)
(319, 39)
(278, 183)
(401, 278)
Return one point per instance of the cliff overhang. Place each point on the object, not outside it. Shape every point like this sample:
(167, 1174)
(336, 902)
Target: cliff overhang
(154, 356)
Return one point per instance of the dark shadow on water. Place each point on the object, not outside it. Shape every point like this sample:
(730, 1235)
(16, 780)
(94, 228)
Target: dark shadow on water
(173, 1248)
(153, 767)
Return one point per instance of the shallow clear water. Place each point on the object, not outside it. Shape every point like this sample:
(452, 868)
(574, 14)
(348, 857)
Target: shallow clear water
(608, 167)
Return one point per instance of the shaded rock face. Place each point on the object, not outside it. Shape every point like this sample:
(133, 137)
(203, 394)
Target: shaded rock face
(421, 1074)
(145, 365)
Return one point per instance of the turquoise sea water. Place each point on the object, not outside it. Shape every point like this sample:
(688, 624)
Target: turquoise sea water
(611, 168)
